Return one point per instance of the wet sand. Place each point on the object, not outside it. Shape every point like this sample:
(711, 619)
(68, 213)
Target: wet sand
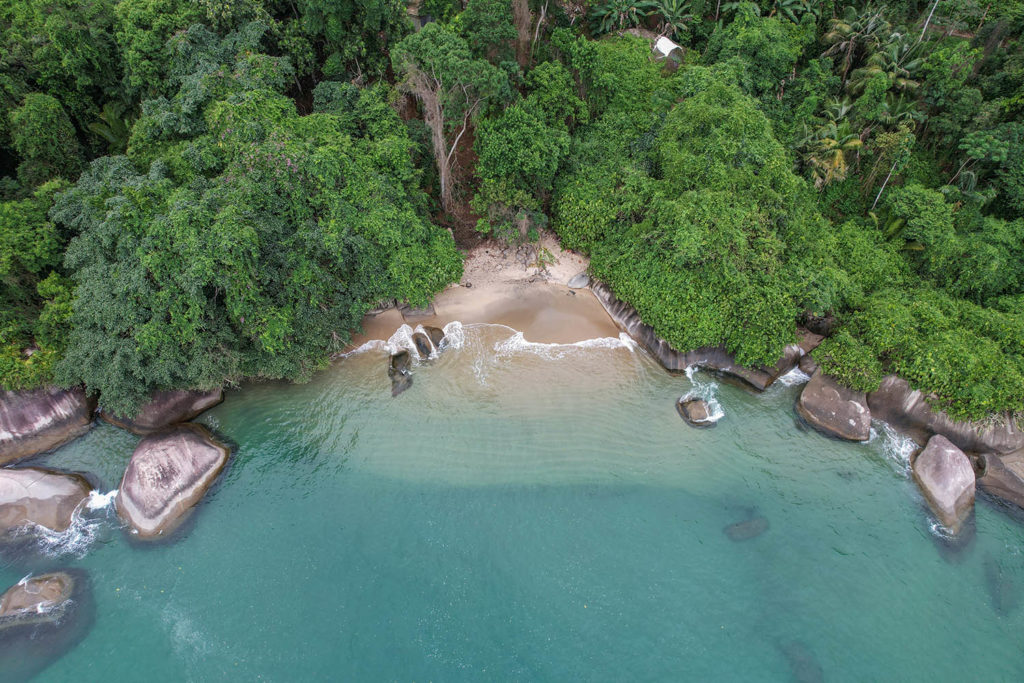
(497, 287)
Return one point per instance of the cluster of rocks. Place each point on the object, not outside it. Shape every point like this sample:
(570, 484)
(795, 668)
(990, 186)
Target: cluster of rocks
(957, 455)
(427, 341)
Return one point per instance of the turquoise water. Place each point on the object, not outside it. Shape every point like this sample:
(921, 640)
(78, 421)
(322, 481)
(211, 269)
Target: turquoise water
(529, 512)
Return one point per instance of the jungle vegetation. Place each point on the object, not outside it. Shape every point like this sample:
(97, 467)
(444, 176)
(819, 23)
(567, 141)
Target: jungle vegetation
(201, 191)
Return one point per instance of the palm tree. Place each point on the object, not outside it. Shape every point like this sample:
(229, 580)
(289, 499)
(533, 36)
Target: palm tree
(825, 151)
(894, 59)
(616, 15)
(794, 9)
(853, 35)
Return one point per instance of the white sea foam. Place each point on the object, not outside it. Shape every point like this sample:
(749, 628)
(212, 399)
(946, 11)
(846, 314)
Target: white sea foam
(99, 501)
(517, 343)
(74, 541)
(896, 447)
(705, 390)
(793, 377)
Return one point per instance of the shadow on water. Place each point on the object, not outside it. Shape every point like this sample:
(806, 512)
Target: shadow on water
(26, 649)
(954, 548)
(802, 663)
(753, 526)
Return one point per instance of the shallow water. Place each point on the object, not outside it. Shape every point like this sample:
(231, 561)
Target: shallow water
(537, 512)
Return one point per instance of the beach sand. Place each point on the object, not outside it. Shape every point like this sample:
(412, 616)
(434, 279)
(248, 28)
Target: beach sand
(499, 286)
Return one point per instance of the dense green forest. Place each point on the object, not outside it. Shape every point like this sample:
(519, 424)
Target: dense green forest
(198, 191)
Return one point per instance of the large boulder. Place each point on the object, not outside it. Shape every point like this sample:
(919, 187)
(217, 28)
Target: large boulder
(35, 421)
(997, 479)
(37, 496)
(436, 335)
(167, 408)
(167, 475)
(695, 412)
(907, 410)
(400, 371)
(709, 358)
(41, 618)
(946, 478)
(834, 409)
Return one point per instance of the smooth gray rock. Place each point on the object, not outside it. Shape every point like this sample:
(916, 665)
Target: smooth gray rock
(410, 313)
(833, 409)
(167, 408)
(709, 358)
(167, 475)
(808, 365)
(996, 479)
(907, 410)
(422, 343)
(579, 280)
(695, 412)
(946, 478)
(36, 600)
(38, 496)
(35, 421)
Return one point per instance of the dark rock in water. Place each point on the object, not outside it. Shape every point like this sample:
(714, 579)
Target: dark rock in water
(400, 372)
(695, 411)
(38, 496)
(802, 662)
(41, 619)
(422, 344)
(747, 529)
(710, 358)
(1002, 585)
(808, 365)
(167, 475)
(955, 548)
(410, 313)
(35, 421)
(167, 408)
(834, 410)
(908, 410)
(999, 480)
(436, 335)
(579, 281)
(946, 478)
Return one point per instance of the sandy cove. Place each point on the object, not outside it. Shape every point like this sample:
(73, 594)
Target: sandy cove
(497, 287)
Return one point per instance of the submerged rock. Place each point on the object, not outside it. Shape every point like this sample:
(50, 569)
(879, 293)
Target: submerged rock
(35, 421)
(695, 412)
(400, 372)
(802, 663)
(167, 408)
(946, 478)
(834, 410)
(167, 475)
(1002, 585)
(747, 529)
(907, 410)
(41, 618)
(38, 496)
(579, 280)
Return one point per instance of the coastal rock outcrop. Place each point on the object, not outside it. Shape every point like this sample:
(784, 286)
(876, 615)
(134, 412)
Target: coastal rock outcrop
(907, 409)
(400, 372)
(167, 475)
(38, 496)
(834, 410)
(35, 421)
(946, 478)
(579, 280)
(998, 479)
(422, 343)
(436, 335)
(36, 600)
(167, 408)
(709, 358)
(695, 412)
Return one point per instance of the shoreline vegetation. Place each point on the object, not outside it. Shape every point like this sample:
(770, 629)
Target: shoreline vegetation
(202, 194)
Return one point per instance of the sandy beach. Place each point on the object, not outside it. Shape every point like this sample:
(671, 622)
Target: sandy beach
(499, 287)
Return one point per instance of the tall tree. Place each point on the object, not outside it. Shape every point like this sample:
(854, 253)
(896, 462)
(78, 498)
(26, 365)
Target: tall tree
(437, 67)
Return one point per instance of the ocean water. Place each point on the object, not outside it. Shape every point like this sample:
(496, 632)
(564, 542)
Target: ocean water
(538, 513)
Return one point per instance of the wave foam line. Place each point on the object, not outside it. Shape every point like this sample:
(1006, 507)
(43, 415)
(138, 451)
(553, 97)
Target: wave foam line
(707, 391)
(793, 377)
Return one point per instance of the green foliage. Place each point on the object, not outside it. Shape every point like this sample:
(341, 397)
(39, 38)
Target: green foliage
(44, 138)
(486, 26)
(144, 30)
(354, 36)
(616, 15)
(255, 240)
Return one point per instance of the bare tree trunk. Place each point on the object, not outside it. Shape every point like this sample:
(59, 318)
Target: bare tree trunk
(521, 18)
(884, 183)
(928, 20)
(433, 116)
